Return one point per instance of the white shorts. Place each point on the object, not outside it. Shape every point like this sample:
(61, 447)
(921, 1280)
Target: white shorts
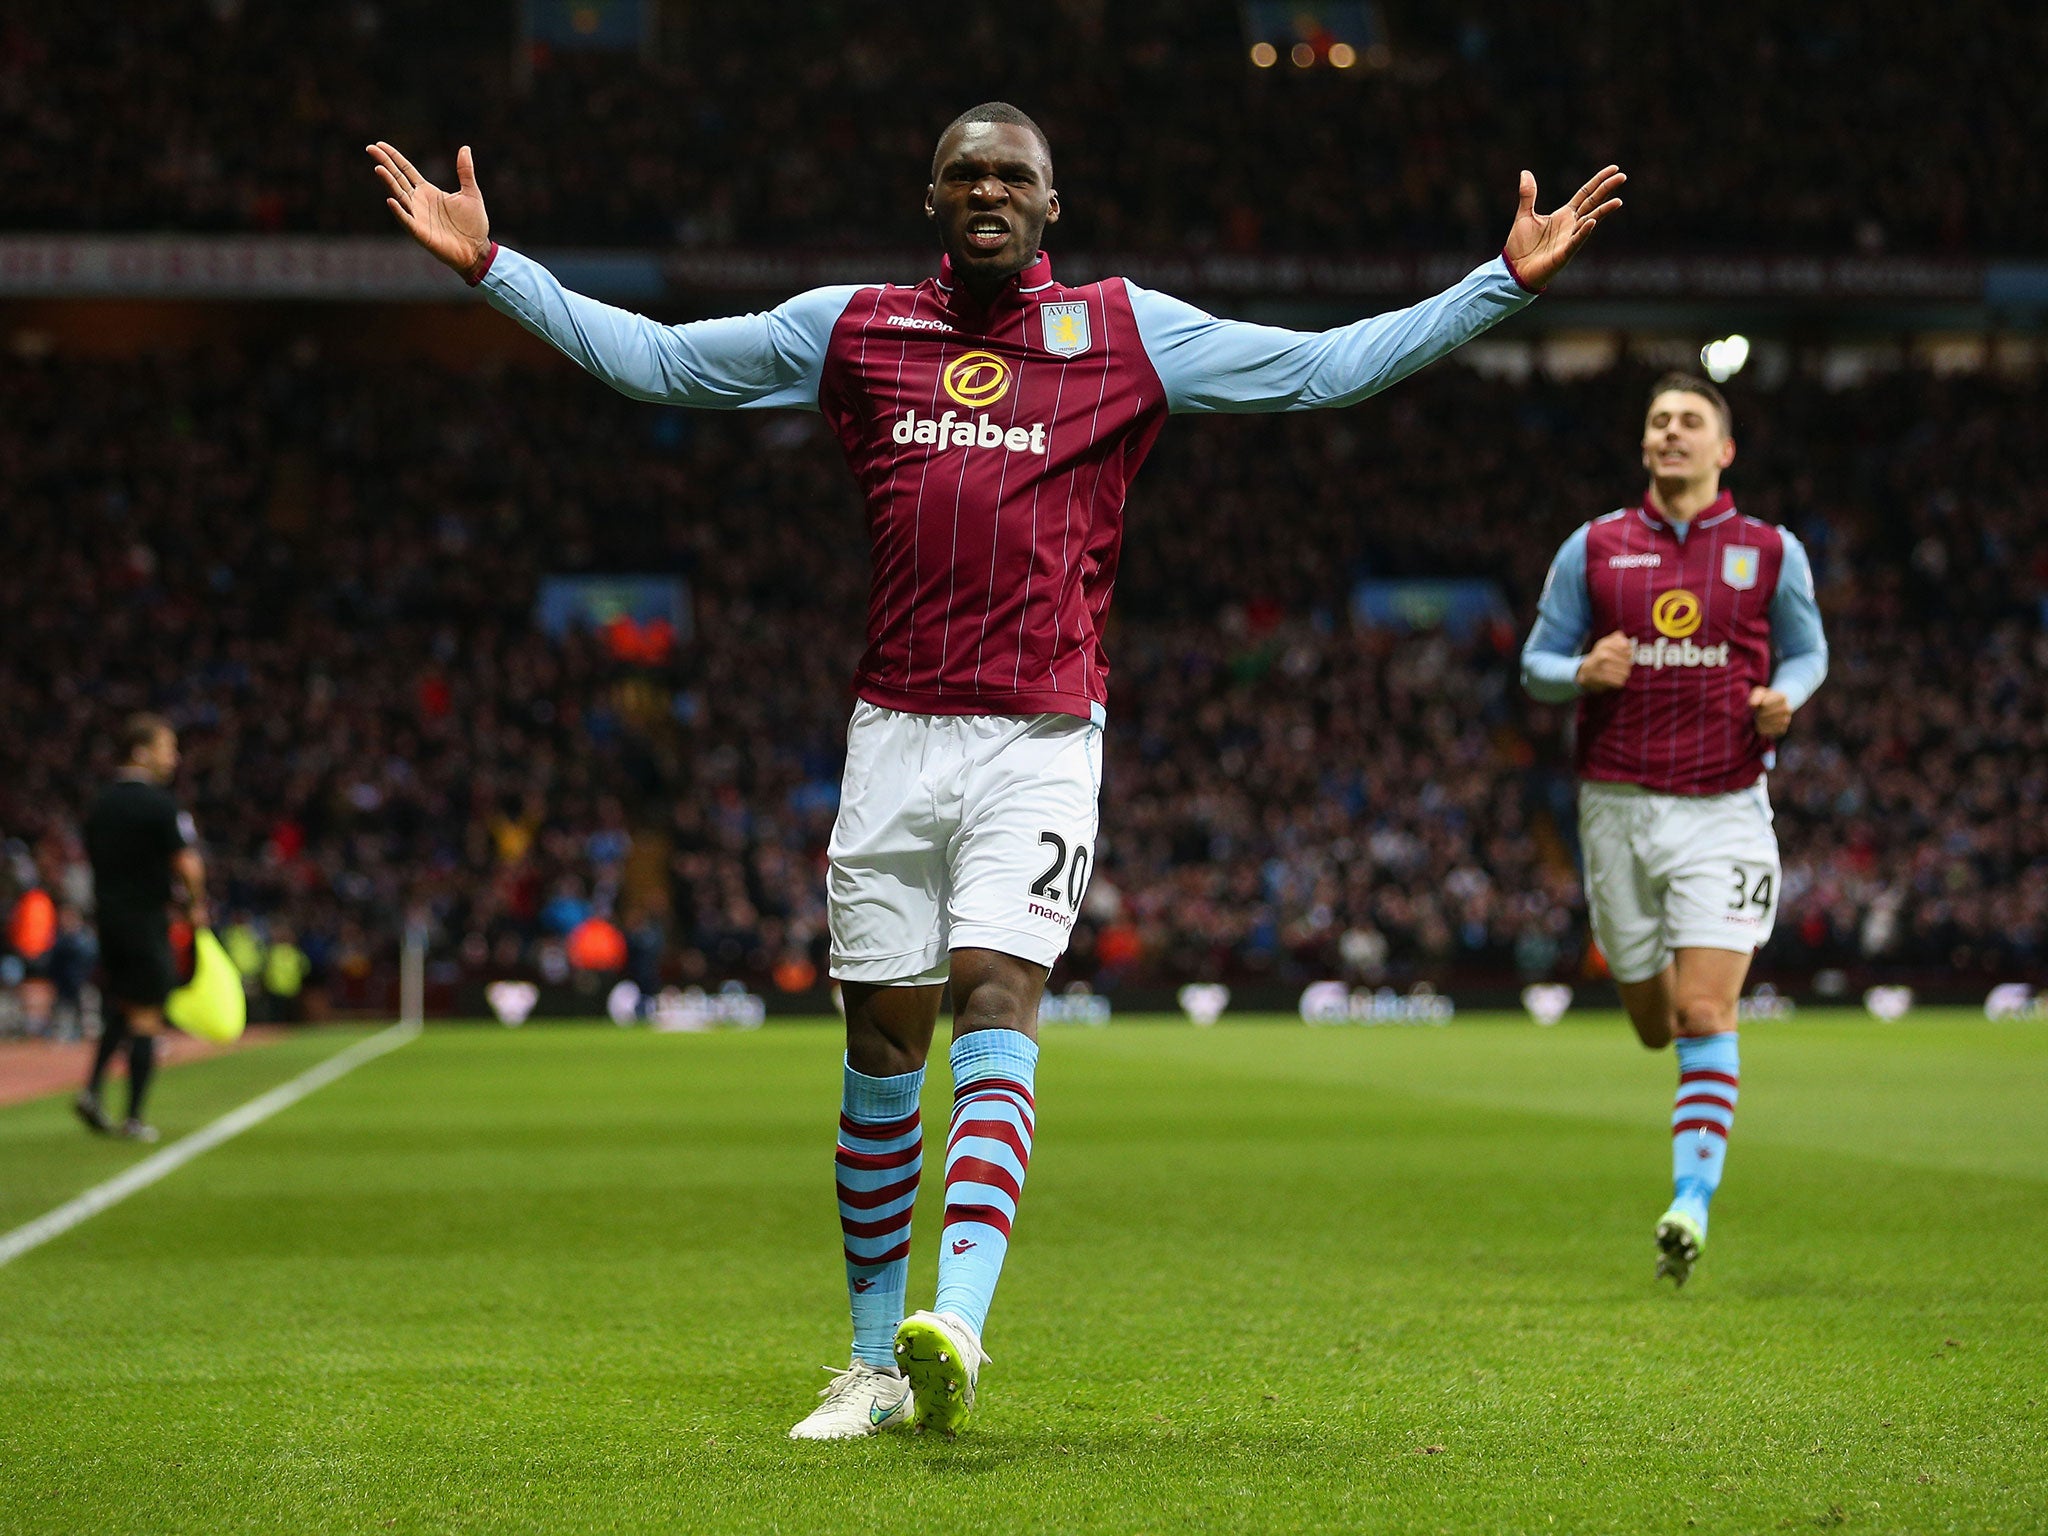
(1667, 872)
(959, 832)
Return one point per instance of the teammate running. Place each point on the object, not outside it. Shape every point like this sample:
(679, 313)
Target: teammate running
(994, 419)
(1680, 705)
(137, 839)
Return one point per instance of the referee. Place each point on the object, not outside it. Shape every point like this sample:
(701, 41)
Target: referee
(138, 840)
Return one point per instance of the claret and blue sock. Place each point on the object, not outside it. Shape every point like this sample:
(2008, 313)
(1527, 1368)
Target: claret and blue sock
(879, 1161)
(987, 1152)
(1709, 1077)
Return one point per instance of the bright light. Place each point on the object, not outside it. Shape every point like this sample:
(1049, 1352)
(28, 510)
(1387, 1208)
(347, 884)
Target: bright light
(1302, 54)
(1265, 55)
(1723, 359)
(1342, 55)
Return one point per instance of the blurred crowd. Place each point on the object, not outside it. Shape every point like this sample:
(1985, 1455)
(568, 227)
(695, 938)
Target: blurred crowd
(1833, 126)
(325, 575)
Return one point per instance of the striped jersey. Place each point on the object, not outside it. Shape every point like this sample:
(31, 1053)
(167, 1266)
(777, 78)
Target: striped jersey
(994, 444)
(1715, 608)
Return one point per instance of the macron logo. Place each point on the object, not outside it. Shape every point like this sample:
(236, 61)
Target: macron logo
(949, 430)
(912, 323)
(962, 1244)
(1633, 562)
(862, 1287)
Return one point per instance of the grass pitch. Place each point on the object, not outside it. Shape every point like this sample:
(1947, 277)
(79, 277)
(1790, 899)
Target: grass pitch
(1265, 1278)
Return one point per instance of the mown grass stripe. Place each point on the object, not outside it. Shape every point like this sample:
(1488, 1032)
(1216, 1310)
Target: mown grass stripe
(158, 1165)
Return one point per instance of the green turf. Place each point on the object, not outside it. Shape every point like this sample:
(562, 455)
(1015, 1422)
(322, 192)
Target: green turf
(1266, 1278)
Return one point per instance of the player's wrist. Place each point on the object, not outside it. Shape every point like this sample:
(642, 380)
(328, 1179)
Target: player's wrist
(1516, 271)
(475, 272)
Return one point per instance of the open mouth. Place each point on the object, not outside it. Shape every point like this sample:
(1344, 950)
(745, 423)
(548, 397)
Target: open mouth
(985, 232)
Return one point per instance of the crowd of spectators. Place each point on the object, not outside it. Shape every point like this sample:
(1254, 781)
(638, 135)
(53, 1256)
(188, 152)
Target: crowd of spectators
(325, 575)
(1833, 126)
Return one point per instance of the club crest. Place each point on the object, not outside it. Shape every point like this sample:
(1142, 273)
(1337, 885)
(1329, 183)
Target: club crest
(1739, 565)
(1066, 328)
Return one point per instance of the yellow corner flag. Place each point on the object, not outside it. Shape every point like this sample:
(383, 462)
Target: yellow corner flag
(211, 1005)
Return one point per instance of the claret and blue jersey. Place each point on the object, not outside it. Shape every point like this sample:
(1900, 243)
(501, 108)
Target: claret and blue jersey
(994, 444)
(1716, 606)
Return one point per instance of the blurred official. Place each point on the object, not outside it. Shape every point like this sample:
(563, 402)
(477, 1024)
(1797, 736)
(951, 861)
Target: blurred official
(139, 843)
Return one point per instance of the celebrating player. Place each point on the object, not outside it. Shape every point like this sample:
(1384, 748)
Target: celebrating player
(138, 840)
(994, 419)
(1680, 704)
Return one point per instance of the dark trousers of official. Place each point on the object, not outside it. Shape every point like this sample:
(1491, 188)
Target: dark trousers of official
(114, 1033)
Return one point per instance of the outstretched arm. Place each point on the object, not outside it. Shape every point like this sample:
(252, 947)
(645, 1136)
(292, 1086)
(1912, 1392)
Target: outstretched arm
(771, 359)
(1207, 364)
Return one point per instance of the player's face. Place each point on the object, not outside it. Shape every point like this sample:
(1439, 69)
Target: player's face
(992, 197)
(1683, 438)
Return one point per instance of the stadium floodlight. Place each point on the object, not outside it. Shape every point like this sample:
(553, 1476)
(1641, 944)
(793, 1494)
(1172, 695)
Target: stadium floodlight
(1265, 55)
(1723, 359)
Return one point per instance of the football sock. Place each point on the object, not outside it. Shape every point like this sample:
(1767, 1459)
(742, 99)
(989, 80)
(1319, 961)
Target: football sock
(1709, 1074)
(113, 1031)
(141, 1063)
(881, 1154)
(987, 1152)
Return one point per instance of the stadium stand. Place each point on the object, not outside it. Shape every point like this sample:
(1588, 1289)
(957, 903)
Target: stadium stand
(1836, 126)
(327, 577)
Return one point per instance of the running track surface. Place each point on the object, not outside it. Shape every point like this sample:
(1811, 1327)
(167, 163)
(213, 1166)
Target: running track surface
(31, 1068)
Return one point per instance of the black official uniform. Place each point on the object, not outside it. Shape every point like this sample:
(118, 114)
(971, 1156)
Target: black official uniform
(132, 833)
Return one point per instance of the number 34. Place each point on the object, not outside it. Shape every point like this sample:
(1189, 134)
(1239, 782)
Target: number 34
(1758, 896)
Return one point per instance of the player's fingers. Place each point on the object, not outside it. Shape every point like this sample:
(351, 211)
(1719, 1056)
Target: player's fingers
(411, 172)
(465, 169)
(387, 160)
(1588, 193)
(403, 217)
(1601, 212)
(1527, 190)
(402, 193)
(1609, 182)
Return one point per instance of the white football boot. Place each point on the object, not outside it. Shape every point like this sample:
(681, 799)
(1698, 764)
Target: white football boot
(861, 1400)
(942, 1358)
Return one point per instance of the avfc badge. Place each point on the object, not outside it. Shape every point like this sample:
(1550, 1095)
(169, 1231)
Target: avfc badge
(1739, 565)
(1066, 328)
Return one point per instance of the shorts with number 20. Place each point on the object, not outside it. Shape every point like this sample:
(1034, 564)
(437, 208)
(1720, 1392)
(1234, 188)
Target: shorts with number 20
(959, 832)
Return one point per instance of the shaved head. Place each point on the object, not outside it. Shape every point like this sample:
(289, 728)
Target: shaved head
(993, 112)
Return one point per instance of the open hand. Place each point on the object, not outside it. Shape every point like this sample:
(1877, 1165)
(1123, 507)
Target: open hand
(1773, 712)
(453, 225)
(1608, 664)
(1539, 245)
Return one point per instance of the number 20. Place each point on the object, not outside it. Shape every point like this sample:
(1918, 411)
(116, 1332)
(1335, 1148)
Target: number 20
(1077, 871)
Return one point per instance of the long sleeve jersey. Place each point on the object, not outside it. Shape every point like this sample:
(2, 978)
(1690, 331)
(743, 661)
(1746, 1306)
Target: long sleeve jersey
(994, 444)
(1714, 607)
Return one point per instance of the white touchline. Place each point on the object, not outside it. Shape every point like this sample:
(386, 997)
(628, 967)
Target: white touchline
(179, 1153)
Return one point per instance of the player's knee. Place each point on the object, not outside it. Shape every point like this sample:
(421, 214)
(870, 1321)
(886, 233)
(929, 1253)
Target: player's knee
(999, 997)
(1698, 1016)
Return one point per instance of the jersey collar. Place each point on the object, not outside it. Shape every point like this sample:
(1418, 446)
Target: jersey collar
(1033, 279)
(1720, 509)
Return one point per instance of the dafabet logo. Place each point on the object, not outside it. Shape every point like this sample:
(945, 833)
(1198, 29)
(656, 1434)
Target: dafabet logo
(976, 379)
(1676, 613)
